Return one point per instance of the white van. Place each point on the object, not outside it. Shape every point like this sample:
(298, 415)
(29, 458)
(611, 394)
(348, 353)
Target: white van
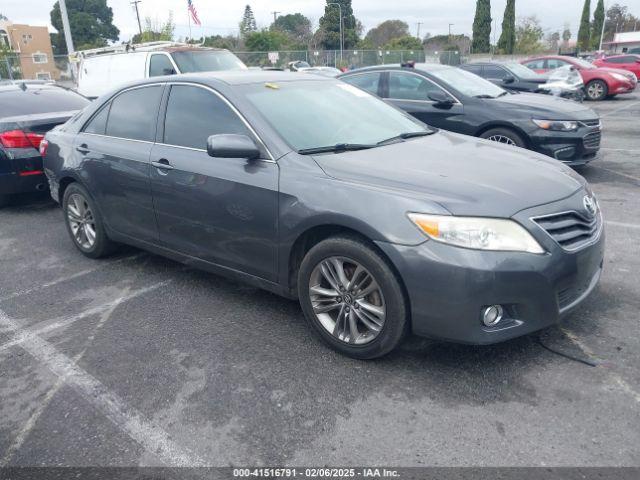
(103, 69)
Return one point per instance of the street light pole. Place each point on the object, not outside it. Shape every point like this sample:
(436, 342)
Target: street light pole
(341, 36)
(67, 36)
(419, 24)
(450, 25)
(604, 21)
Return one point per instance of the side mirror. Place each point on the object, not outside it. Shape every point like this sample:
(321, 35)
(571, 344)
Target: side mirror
(232, 146)
(440, 98)
(508, 80)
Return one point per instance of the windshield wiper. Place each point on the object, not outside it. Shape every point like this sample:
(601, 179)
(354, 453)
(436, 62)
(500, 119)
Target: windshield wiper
(407, 135)
(339, 147)
(504, 93)
(484, 95)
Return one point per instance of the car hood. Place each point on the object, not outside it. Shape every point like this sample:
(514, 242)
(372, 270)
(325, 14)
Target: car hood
(466, 176)
(547, 107)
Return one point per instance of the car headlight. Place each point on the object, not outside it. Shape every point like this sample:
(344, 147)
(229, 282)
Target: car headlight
(477, 232)
(557, 125)
(620, 77)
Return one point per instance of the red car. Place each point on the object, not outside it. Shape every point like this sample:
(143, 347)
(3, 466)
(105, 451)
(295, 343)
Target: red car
(631, 63)
(599, 82)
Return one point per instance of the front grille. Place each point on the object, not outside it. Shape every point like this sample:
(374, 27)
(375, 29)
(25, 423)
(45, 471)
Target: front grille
(591, 123)
(592, 140)
(571, 230)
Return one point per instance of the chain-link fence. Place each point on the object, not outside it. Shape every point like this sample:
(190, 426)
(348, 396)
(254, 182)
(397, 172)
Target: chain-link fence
(60, 69)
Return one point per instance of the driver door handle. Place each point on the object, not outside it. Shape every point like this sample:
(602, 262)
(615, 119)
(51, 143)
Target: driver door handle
(83, 148)
(162, 164)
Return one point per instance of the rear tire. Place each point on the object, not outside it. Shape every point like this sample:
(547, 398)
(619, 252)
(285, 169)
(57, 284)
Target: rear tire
(505, 136)
(84, 223)
(357, 306)
(596, 90)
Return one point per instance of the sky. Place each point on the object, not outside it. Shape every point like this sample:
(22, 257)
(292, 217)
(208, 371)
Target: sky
(222, 17)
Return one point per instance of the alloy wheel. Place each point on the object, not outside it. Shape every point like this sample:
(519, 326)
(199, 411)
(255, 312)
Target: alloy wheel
(81, 221)
(347, 300)
(502, 139)
(595, 90)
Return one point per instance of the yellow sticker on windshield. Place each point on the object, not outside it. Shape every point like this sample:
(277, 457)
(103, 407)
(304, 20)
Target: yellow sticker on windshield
(273, 86)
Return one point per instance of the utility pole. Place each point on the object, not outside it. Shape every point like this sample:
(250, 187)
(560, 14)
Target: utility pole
(419, 24)
(450, 25)
(341, 36)
(275, 16)
(135, 4)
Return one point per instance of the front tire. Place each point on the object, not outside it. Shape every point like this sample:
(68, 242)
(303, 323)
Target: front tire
(352, 298)
(505, 136)
(596, 90)
(84, 223)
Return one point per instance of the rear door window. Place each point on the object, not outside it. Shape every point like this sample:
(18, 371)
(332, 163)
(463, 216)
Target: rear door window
(536, 64)
(477, 69)
(369, 82)
(98, 124)
(553, 63)
(194, 113)
(134, 113)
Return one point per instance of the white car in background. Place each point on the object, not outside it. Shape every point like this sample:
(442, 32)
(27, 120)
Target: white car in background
(103, 69)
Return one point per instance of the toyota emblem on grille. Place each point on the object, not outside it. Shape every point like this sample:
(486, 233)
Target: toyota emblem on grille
(589, 205)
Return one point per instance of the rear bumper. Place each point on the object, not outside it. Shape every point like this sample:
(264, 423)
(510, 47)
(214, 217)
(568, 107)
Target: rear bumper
(12, 183)
(448, 286)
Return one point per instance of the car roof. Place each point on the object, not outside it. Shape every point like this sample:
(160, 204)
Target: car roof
(424, 67)
(232, 77)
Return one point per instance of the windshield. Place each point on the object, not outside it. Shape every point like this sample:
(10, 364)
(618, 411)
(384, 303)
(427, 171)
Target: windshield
(523, 72)
(207, 61)
(582, 63)
(467, 83)
(313, 114)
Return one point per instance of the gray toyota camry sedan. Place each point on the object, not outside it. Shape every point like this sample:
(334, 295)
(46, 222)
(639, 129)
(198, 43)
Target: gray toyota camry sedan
(311, 188)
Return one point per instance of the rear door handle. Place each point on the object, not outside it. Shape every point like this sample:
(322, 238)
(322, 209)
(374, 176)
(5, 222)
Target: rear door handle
(162, 164)
(83, 148)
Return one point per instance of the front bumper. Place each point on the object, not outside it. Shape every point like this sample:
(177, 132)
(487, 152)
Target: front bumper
(449, 286)
(572, 148)
(619, 87)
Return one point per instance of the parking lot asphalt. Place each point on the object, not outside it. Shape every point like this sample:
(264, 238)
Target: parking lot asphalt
(138, 360)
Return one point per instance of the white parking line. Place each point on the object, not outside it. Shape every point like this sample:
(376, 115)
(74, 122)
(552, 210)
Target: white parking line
(151, 437)
(631, 150)
(637, 179)
(622, 224)
(612, 112)
(617, 379)
(48, 326)
(81, 273)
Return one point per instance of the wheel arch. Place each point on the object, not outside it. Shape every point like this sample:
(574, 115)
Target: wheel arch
(509, 126)
(313, 235)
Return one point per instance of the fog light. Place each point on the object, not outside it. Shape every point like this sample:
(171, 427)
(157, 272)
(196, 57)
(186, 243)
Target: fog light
(492, 315)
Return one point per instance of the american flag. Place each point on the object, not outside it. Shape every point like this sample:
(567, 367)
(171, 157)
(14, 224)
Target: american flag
(194, 14)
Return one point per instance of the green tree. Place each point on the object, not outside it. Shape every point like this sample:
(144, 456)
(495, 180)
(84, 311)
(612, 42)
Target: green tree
(566, 34)
(330, 25)
(481, 42)
(553, 39)
(386, 32)
(295, 24)
(408, 42)
(248, 22)
(154, 31)
(91, 25)
(507, 41)
(265, 41)
(596, 27)
(619, 20)
(584, 33)
(229, 42)
(529, 34)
